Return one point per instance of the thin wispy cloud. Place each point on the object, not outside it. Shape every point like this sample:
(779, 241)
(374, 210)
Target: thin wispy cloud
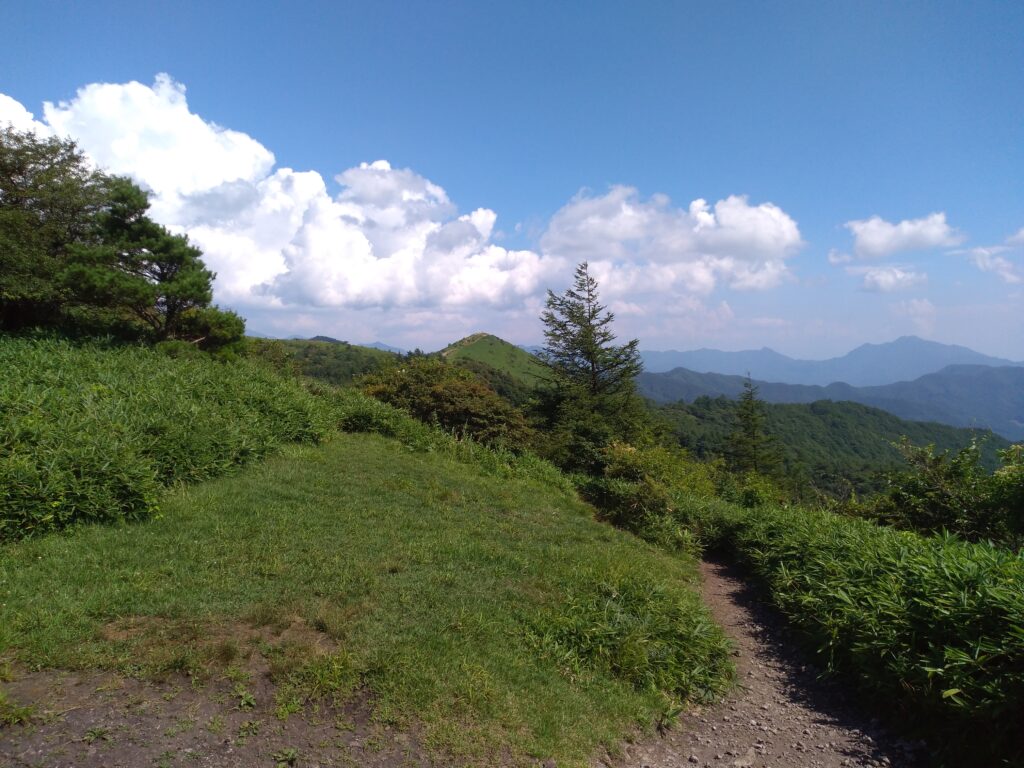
(888, 279)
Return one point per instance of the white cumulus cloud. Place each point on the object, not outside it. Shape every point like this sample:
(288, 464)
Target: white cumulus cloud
(13, 114)
(149, 132)
(876, 237)
(384, 247)
(639, 245)
(388, 238)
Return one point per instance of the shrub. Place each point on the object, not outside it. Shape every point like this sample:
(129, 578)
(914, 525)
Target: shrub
(749, 490)
(640, 488)
(453, 398)
(93, 433)
(953, 492)
(354, 411)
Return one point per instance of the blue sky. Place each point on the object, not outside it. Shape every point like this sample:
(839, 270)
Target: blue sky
(859, 166)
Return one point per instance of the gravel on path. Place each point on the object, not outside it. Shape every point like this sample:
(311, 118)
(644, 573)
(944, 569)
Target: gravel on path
(782, 713)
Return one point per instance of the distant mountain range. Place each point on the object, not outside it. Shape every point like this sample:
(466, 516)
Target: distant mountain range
(904, 359)
(960, 395)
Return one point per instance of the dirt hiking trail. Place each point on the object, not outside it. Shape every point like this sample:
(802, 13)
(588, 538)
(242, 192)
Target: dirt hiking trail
(781, 714)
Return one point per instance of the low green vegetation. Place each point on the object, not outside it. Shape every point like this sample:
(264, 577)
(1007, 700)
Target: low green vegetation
(499, 354)
(336, 362)
(93, 433)
(497, 616)
(353, 411)
(932, 625)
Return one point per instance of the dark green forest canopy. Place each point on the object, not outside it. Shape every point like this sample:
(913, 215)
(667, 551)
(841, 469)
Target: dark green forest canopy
(838, 446)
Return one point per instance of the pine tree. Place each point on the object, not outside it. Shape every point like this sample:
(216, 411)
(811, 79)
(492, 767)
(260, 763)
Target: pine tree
(579, 351)
(137, 268)
(49, 196)
(751, 449)
(591, 399)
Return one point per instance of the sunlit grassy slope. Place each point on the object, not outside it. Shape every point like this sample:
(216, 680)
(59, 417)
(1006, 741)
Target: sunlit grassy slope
(494, 613)
(499, 354)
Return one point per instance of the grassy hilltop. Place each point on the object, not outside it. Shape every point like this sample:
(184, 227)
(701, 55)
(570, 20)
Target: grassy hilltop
(467, 593)
(499, 354)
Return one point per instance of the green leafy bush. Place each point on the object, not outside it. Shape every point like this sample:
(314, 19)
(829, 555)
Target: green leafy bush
(92, 434)
(934, 625)
(451, 397)
(953, 492)
(750, 489)
(353, 411)
(640, 489)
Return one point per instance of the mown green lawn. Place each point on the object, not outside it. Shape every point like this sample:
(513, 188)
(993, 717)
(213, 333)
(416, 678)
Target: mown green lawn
(486, 612)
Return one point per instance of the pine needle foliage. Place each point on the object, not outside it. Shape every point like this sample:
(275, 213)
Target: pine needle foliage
(751, 448)
(590, 399)
(579, 350)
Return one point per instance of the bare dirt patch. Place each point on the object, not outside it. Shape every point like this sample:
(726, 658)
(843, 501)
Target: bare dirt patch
(229, 714)
(782, 715)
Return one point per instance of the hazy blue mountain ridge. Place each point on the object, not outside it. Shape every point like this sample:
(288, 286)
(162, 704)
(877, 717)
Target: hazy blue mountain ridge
(905, 359)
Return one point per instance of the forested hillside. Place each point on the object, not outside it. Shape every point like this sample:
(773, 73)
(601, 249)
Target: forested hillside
(836, 447)
(337, 362)
(962, 396)
(832, 446)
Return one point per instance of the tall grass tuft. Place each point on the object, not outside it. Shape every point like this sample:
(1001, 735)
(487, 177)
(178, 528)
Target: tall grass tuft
(652, 633)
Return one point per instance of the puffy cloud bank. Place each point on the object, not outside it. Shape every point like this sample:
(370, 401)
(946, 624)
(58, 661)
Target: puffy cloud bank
(642, 246)
(389, 240)
(876, 237)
